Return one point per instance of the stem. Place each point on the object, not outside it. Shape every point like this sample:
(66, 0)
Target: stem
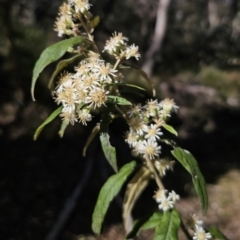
(185, 230)
(117, 63)
(156, 176)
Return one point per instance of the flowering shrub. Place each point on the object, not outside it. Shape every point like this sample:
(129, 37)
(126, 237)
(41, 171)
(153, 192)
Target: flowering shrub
(93, 88)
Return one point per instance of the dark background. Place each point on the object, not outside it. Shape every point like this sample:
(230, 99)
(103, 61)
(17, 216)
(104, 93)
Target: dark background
(197, 66)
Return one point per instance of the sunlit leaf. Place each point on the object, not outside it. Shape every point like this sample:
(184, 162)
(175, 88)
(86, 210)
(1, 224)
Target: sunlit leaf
(145, 223)
(134, 189)
(191, 165)
(170, 129)
(167, 228)
(109, 190)
(118, 100)
(48, 120)
(52, 54)
(60, 66)
(217, 234)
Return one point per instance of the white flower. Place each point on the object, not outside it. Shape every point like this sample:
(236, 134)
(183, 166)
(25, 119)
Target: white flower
(196, 220)
(80, 5)
(160, 195)
(200, 234)
(134, 111)
(153, 132)
(173, 196)
(132, 51)
(166, 204)
(84, 116)
(131, 138)
(114, 43)
(137, 124)
(104, 72)
(68, 116)
(149, 149)
(97, 97)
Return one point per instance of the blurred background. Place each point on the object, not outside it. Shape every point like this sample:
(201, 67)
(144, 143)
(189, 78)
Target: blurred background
(191, 49)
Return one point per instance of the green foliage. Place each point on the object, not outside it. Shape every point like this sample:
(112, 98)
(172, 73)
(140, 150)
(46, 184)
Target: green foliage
(170, 129)
(109, 190)
(109, 151)
(190, 163)
(60, 66)
(118, 100)
(48, 120)
(168, 225)
(50, 55)
(145, 223)
(217, 234)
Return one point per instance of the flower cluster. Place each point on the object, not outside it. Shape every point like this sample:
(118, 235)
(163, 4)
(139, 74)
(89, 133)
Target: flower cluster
(199, 232)
(117, 46)
(145, 127)
(84, 90)
(166, 199)
(69, 19)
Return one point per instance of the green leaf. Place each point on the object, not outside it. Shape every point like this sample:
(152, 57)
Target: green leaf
(60, 66)
(48, 120)
(170, 129)
(94, 23)
(52, 54)
(118, 100)
(127, 85)
(63, 128)
(93, 134)
(168, 226)
(190, 164)
(142, 73)
(109, 190)
(146, 223)
(134, 189)
(217, 234)
(109, 151)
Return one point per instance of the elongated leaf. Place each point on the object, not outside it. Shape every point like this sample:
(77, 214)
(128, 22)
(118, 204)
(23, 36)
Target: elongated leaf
(217, 234)
(118, 100)
(142, 73)
(52, 54)
(109, 151)
(48, 120)
(95, 21)
(127, 85)
(93, 134)
(190, 164)
(170, 129)
(146, 223)
(109, 190)
(168, 226)
(60, 66)
(134, 189)
(63, 128)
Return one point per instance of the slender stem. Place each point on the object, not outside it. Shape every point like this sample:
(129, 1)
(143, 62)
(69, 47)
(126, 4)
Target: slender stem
(117, 63)
(156, 176)
(185, 230)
